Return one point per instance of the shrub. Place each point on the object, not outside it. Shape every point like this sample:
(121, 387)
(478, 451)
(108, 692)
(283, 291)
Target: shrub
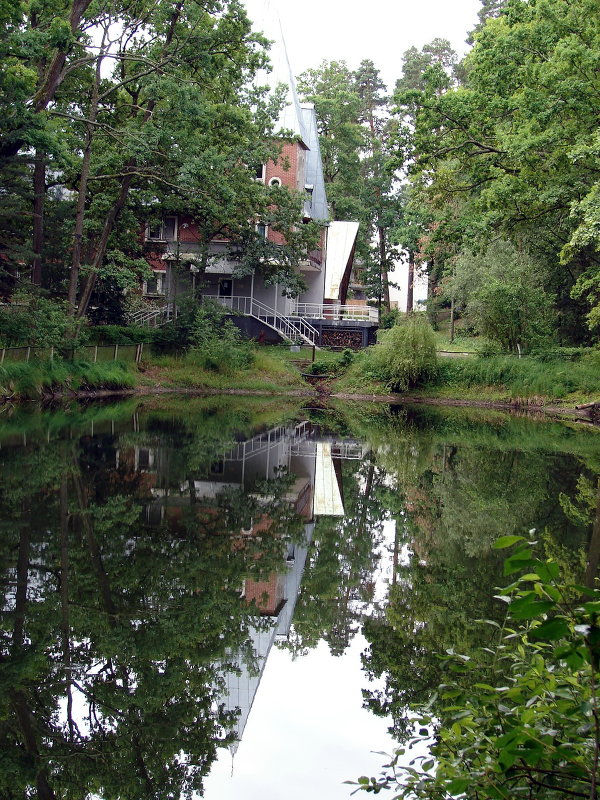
(512, 314)
(405, 355)
(217, 342)
(122, 334)
(388, 319)
(36, 321)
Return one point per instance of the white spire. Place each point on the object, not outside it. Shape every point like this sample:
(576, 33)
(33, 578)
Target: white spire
(268, 22)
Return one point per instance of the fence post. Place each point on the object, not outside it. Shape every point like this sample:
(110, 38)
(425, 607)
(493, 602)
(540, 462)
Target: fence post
(3, 354)
(52, 353)
(28, 353)
(95, 354)
(116, 352)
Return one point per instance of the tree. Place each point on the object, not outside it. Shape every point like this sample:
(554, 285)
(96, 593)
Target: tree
(509, 151)
(130, 123)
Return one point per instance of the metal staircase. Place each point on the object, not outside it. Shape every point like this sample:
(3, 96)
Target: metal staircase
(153, 317)
(293, 329)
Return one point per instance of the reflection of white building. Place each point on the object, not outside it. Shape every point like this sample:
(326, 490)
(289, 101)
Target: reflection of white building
(312, 461)
(242, 684)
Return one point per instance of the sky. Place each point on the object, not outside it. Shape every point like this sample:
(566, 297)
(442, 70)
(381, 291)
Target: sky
(381, 30)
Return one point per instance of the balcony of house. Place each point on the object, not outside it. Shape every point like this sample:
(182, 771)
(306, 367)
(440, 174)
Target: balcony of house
(337, 312)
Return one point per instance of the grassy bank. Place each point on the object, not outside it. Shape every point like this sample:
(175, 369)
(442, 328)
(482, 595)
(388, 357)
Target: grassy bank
(277, 370)
(266, 371)
(33, 380)
(498, 378)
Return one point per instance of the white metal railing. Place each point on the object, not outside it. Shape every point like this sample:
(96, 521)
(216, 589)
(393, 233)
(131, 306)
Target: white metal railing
(346, 450)
(153, 317)
(290, 329)
(336, 311)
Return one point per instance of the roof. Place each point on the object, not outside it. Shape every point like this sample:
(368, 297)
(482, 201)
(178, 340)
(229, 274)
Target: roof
(341, 239)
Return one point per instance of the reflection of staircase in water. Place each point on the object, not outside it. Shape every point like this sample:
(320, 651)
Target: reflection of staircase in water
(299, 441)
(293, 436)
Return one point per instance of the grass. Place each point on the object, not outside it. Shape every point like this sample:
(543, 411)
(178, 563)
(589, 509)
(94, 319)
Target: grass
(30, 381)
(526, 377)
(268, 373)
(495, 378)
(463, 343)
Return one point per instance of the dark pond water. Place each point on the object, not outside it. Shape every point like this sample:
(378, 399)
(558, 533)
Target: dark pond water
(240, 598)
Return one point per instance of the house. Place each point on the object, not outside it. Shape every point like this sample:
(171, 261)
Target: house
(320, 315)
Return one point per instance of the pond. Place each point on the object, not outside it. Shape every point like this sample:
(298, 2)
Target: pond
(240, 597)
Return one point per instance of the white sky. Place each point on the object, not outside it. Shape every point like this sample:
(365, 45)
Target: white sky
(381, 30)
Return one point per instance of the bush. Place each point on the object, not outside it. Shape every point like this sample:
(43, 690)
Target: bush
(36, 321)
(512, 314)
(217, 342)
(122, 334)
(387, 319)
(404, 355)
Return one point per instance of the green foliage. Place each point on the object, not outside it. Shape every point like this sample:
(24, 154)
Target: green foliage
(404, 356)
(531, 729)
(37, 321)
(121, 334)
(512, 152)
(524, 377)
(501, 294)
(388, 319)
(217, 343)
(512, 315)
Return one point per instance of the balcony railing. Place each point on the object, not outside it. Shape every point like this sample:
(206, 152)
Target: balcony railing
(336, 312)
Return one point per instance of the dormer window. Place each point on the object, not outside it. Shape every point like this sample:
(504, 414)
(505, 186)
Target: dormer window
(163, 231)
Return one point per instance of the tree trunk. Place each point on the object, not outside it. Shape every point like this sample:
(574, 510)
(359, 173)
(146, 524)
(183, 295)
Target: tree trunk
(383, 268)
(411, 282)
(39, 197)
(82, 190)
(126, 181)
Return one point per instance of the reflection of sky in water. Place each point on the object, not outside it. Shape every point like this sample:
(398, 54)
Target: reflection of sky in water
(307, 732)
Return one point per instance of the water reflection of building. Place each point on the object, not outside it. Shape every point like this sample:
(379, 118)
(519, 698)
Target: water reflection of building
(313, 463)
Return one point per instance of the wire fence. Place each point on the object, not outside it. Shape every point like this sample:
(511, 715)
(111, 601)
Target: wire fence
(92, 353)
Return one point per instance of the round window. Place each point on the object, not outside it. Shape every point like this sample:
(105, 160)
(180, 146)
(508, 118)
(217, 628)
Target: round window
(275, 182)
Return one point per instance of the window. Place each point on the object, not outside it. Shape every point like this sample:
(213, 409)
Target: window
(259, 172)
(225, 287)
(275, 182)
(170, 228)
(154, 285)
(261, 229)
(163, 231)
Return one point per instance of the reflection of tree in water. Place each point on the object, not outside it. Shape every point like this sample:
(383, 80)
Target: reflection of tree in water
(113, 627)
(455, 488)
(338, 577)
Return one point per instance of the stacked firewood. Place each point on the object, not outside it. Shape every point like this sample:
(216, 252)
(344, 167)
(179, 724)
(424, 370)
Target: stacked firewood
(341, 338)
